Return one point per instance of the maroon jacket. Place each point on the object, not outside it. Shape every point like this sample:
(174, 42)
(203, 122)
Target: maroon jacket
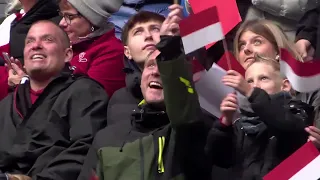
(101, 58)
(4, 88)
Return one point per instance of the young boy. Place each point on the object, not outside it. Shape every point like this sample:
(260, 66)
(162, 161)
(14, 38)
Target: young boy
(274, 130)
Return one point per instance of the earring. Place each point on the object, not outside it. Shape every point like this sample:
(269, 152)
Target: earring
(92, 29)
(277, 57)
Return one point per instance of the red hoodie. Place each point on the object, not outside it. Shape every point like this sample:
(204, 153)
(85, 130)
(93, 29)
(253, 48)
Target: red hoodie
(101, 58)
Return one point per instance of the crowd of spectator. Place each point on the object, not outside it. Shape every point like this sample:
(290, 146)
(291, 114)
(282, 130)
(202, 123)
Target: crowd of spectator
(102, 89)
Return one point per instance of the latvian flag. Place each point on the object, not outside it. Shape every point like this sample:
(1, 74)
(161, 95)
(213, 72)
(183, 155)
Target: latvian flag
(303, 76)
(200, 29)
(304, 164)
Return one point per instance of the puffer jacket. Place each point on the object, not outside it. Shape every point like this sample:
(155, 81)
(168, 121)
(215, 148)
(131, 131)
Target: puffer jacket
(285, 13)
(290, 9)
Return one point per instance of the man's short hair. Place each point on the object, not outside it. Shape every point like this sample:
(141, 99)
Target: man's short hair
(140, 17)
(64, 35)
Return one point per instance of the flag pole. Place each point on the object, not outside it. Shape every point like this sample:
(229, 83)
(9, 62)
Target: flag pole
(175, 1)
(225, 47)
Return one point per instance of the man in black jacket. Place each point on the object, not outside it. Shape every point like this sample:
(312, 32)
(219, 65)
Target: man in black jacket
(48, 123)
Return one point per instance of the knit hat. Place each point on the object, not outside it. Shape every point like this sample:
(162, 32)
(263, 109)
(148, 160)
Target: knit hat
(96, 11)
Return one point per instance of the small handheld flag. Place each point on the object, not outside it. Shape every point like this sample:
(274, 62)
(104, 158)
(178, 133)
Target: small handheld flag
(200, 29)
(303, 76)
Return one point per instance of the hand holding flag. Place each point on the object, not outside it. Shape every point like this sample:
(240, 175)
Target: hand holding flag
(304, 77)
(314, 135)
(235, 80)
(200, 29)
(228, 108)
(305, 49)
(170, 26)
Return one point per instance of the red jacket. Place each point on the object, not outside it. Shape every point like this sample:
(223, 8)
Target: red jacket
(4, 88)
(101, 58)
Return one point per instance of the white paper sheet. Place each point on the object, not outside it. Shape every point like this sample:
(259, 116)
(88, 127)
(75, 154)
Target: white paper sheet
(212, 91)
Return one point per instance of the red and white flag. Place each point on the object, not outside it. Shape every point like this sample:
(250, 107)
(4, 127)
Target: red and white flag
(200, 29)
(303, 76)
(228, 12)
(234, 63)
(304, 164)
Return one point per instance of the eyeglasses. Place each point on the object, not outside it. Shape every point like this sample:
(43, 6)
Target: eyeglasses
(69, 17)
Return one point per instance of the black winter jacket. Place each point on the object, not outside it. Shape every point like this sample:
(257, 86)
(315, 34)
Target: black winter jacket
(50, 138)
(259, 141)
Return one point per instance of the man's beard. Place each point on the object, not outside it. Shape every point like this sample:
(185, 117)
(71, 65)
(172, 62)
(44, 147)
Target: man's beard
(39, 74)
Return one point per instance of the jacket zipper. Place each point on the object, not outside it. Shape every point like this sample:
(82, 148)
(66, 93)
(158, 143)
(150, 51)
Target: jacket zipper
(161, 142)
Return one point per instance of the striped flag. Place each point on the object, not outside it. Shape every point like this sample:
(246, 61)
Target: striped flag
(228, 12)
(304, 164)
(303, 76)
(235, 65)
(200, 29)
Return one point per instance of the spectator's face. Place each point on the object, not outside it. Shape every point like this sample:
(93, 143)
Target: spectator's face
(142, 39)
(74, 24)
(151, 84)
(265, 77)
(45, 53)
(250, 44)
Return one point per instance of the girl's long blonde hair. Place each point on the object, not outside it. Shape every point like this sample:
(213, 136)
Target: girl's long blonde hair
(11, 6)
(269, 30)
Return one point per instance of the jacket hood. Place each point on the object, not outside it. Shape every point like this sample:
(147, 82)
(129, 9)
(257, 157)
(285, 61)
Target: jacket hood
(133, 78)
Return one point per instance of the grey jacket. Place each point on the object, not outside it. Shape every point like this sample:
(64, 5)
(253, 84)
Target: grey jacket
(290, 9)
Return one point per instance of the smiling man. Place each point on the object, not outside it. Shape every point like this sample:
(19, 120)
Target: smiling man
(140, 141)
(165, 136)
(48, 124)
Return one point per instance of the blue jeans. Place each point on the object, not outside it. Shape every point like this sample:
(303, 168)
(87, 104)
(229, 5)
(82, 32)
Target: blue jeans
(120, 18)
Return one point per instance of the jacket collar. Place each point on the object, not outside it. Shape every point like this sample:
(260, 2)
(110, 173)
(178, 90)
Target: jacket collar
(145, 117)
(133, 78)
(88, 41)
(22, 99)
